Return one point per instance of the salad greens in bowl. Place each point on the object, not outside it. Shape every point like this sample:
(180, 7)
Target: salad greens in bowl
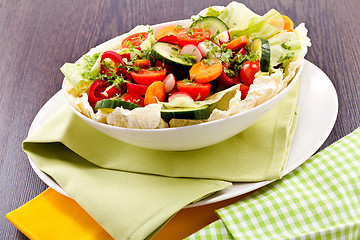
(187, 84)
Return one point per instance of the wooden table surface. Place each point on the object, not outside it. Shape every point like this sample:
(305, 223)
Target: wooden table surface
(37, 37)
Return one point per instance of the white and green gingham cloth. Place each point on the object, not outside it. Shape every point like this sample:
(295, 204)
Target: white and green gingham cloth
(318, 200)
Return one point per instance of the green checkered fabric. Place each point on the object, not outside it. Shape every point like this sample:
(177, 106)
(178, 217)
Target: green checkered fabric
(318, 200)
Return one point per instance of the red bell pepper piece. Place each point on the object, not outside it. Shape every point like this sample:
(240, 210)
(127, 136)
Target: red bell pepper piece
(118, 62)
(95, 91)
(110, 92)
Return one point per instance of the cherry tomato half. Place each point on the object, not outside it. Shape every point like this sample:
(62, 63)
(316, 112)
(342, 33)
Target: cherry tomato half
(134, 40)
(198, 91)
(133, 98)
(227, 81)
(148, 76)
(192, 36)
(248, 71)
(95, 90)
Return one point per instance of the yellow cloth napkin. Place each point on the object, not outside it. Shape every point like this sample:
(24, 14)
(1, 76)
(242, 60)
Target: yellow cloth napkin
(53, 216)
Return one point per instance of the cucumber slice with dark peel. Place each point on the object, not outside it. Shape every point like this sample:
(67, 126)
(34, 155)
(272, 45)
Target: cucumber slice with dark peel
(261, 48)
(170, 54)
(186, 113)
(212, 24)
(108, 104)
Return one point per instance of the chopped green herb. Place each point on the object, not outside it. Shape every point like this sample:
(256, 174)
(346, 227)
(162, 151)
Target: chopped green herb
(208, 62)
(283, 45)
(150, 30)
(190, 31)
(286, 57)
(178, 27)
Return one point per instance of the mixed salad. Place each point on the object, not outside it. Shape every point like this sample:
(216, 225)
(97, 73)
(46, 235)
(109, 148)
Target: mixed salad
(221, 62)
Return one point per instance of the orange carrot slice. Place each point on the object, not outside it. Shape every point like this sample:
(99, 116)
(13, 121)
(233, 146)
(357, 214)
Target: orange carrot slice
(238, 43)
(142, 63)
(206, 70)
(168, 31)
(155, 93)
(288, 24)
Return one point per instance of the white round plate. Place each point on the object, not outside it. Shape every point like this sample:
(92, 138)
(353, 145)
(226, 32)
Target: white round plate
(318, 104)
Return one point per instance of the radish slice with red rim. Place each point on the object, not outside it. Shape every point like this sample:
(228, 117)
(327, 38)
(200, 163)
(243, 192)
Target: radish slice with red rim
(169, 82)
(223, 37)
(191, 49)
(179, 94)
(207, 46)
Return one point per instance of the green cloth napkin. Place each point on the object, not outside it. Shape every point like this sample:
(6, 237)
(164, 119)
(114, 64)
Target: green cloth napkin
(319, 200)
(259, 153)
(132, 191)
(127, 205)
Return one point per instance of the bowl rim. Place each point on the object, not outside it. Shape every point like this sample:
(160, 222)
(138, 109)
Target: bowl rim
(279, 95)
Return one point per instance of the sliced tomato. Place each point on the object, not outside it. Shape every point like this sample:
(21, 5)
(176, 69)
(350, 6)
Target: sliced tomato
(133, 98)
(198, 91)
(134, 40)
(192, 36)
(133, 88)
(227, 81)
(148, 76)
(248, 71)
(95, 90)
(244, 91)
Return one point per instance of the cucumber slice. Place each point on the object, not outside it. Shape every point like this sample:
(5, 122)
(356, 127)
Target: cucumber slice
(211, 23)
(110, 104)
(170, 54)
(261, 48)
(186, 113)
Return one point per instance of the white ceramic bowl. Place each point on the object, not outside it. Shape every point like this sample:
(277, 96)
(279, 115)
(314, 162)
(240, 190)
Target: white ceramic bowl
(188, 137)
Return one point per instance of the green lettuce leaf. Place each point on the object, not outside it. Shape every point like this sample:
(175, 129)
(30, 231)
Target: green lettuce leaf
(284, 46)
(73, 73)
(82, 74)
(237, 15)
(258, 27)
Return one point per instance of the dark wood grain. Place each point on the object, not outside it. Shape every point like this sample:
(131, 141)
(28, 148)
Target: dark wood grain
(37, 37)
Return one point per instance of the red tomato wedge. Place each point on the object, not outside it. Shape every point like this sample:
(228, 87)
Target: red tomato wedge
(155, 93)
(133, 98)
(148, 76)
(198, 91)
(192, 36)
(134, 40)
